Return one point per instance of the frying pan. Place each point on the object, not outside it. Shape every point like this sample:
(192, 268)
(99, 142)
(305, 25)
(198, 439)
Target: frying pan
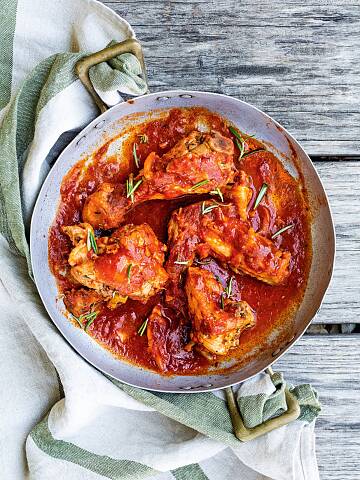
(248, 119)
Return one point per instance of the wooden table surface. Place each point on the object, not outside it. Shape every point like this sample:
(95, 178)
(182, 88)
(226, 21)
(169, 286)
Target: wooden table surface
(300, 63)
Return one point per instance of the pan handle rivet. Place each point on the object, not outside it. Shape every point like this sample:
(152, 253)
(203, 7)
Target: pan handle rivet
(100, 124)
(162, 98)
(80, 140)
(186, 95)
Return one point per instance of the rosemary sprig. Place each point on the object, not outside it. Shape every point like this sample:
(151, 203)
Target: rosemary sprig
(260, 195)
(143, 327)
(240, 142)
(143, 138)
(241, 147)
(128, 272)
(217, 191)
(135, 155)
(130, 187)
(282, 230)
(205, 209)
(91, 242)
(199, 184)
(90, 318)
(228, 288)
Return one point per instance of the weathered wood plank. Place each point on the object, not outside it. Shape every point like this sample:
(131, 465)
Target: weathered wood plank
(331, 364)
(297, 62)
(342, 183)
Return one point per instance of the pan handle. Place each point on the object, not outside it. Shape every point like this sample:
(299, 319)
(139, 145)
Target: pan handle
(245, 434)
(82, 66)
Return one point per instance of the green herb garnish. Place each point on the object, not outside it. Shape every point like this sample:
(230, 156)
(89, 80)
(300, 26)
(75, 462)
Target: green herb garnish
(222, 301)
(208, 209)
(282, 230)
(91, 242)
(136, 158)
(78, 319)
(199, 184)
(261, 194)
(228, 288)
(142, 327)
(202, 262)
(143, 138)
(217, 191)
(130, 187)
(253, 151)
(128, 273)
(181, 262)
(90, 318)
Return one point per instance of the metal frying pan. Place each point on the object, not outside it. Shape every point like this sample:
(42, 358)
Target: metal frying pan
(108, 124)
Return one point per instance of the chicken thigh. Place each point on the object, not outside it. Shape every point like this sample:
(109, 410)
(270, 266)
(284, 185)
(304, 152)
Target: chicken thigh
(199, 163)
(217, 320)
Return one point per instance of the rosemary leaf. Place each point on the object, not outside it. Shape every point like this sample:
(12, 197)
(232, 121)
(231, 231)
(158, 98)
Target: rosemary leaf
(241, 147)
(91, 242)
(261, 194)
(282, 230)
(208, 209)
(236, 134)
(128, 273)
(180, 262)
(90, 318)
(228, 288)
(143, 327)
(222, 301)
(199, 184)
(253, 151)
(202, 262)
(136, 158)
(217, 191)
(78, 319)
(130, 187)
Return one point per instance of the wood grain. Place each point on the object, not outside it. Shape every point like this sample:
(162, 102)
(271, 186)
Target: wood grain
(342, 184)
(298, 62)
(331, 364)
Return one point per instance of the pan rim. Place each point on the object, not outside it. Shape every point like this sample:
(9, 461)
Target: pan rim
(332, 242)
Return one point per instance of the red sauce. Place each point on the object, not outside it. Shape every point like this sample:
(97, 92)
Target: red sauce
(271, 303)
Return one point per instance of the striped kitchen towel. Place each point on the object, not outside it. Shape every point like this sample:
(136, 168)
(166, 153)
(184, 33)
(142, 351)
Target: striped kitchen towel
(59, 416)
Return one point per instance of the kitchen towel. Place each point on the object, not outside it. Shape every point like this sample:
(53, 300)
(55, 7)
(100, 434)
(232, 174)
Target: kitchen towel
(60, 417)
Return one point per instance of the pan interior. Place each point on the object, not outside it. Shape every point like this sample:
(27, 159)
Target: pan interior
(248, 119)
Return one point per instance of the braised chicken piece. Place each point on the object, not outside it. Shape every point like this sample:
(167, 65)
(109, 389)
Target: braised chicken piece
(157, 332)
(80, 302)
(106, 207)
(167, 336)
(199, 163)
(233, 241)
(217, 320)
(241, 194)
(217, 230)
(127, 264)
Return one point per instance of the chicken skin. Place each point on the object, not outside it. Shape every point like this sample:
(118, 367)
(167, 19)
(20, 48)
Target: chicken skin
(217, 320)
(199, 163)
(221, 233)
(129, 264)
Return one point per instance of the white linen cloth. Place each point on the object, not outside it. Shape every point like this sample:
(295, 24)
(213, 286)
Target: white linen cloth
(94, 428)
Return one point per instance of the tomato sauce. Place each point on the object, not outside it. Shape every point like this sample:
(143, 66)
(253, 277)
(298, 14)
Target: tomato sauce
(117, 330)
